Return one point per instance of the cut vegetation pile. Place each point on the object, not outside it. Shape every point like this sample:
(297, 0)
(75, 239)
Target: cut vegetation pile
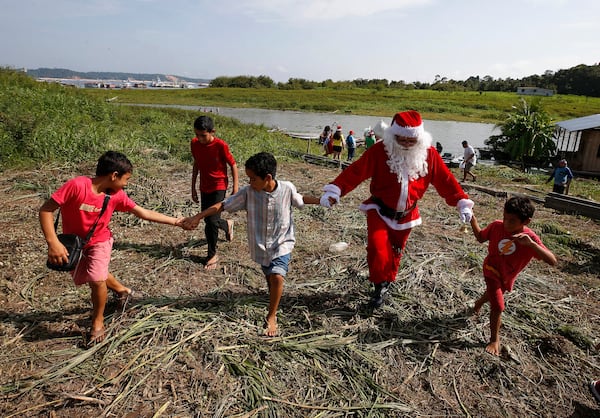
(192, 344)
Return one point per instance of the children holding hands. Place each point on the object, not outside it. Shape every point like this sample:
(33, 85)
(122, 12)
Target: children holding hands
(511, 246)
(268, 204)
(81, 200)
(211, 158)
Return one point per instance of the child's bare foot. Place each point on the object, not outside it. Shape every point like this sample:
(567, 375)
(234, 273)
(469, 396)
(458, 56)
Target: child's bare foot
(229, 233)
(96, 336)
(212, 263)
(493, 348)
(271, 326)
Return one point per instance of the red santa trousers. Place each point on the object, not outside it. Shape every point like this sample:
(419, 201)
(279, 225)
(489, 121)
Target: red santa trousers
(384, 248)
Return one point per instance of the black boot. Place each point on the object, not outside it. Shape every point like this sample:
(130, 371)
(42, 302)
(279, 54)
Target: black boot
(378, 294)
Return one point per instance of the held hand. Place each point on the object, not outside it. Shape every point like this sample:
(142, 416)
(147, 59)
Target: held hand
(191, 222)
(465, 209)
(328, 199)
(179, 222)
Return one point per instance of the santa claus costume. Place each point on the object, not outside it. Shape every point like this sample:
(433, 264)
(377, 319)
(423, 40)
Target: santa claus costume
(401, 168)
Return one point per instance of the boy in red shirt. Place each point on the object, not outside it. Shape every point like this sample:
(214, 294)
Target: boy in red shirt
(511, 246)
(211, 158)
(80, 201)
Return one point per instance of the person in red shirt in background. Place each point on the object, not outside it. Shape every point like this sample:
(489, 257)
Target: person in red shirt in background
(211, 158)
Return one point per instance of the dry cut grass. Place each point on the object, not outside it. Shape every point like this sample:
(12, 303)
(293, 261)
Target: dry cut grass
(192, 345)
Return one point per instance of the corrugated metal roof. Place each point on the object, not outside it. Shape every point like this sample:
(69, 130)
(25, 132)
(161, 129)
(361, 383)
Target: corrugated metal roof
(580, 124)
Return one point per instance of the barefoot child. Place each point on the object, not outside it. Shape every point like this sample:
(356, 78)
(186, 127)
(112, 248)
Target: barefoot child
(80, 200)
(268, 204)
(511, 246)
(211, 158)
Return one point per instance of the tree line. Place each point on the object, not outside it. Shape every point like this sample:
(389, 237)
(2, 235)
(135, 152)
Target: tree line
(581, 80)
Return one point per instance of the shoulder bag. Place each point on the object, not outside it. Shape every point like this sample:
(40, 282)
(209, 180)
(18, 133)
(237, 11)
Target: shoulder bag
(74, 243)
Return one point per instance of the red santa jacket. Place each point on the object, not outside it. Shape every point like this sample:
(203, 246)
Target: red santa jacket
(394, 193)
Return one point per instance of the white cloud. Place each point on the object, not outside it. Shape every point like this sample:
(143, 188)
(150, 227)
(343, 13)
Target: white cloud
(307, 10)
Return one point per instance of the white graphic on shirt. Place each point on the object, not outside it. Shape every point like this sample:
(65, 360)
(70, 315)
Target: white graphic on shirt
(506, 247)
(88, 208)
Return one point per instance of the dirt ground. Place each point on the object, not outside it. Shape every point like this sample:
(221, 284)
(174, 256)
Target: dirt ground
(190, 345)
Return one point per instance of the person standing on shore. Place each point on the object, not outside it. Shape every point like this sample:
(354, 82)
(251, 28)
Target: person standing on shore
(401, 167)
(337, 143)
(562, 176)
(351, 145)
(469, 161)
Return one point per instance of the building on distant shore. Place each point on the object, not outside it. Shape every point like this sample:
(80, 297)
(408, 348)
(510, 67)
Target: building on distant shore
(534, 91)
(578, 141)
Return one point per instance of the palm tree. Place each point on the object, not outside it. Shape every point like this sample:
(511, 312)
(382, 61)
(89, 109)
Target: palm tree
(527, 134)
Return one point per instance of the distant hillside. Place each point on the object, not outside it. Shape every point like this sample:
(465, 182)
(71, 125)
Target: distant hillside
(99, 75)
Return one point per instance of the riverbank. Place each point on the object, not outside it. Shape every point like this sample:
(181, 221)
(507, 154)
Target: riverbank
(485, 107)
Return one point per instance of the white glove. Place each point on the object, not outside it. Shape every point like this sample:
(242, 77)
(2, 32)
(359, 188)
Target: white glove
(331, 191)
(465, 211)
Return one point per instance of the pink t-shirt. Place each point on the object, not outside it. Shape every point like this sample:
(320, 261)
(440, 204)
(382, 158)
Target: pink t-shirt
(505, 257)
(80, 208)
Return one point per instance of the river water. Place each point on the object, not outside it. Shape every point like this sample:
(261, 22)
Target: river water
(449, 134)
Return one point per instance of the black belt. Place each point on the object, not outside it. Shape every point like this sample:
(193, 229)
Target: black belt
(389, 212)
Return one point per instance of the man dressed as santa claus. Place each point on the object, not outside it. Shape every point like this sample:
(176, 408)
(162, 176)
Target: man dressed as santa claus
(401, 168)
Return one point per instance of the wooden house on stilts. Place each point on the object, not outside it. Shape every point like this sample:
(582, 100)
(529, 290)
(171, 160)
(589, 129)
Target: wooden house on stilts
(578, 141)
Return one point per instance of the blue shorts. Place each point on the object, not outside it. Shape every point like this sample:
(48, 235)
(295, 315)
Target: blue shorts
(278, 265)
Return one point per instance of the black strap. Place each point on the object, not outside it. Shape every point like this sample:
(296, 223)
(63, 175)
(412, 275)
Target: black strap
(389, 212)
(89, 235)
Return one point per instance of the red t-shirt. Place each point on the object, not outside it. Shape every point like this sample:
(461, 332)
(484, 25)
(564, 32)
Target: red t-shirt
(505, 257)
(80, 207)
(211, 160)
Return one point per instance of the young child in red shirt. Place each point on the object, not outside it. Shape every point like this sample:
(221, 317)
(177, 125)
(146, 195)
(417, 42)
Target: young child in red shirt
(511, 246)
(80, 201)
(211, 158)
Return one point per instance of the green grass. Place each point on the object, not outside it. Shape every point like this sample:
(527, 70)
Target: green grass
(50, 124)
(488, 107)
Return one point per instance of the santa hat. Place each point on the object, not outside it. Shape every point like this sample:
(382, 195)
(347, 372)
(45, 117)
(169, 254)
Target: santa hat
(408, 124)
(339, 128)
(351, 132)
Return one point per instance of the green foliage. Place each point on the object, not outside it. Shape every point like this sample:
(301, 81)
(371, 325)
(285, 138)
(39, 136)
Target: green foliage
(527, 134)
(48, 123)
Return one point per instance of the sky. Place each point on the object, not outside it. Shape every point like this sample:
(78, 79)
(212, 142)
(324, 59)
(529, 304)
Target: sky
(316, 40)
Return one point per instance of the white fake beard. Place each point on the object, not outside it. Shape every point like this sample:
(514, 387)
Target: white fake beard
(412, 161)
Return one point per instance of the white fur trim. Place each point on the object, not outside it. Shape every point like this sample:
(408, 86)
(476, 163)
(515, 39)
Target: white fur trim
(332, 188)
(407, 131)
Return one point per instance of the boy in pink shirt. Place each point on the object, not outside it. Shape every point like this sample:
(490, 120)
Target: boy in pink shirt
(511, 246)
(80, 201)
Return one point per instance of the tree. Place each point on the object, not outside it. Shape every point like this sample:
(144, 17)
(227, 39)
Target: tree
(527, 135)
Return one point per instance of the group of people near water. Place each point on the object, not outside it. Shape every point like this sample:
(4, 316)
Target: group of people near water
(334, 143)
(400, 165)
